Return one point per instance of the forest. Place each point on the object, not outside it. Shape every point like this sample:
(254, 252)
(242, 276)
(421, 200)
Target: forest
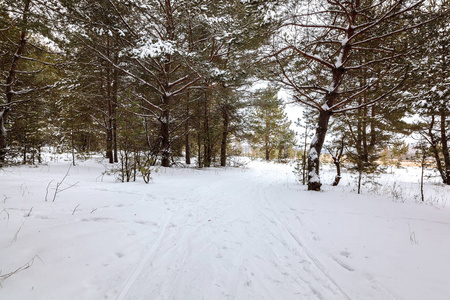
(224, 149)
(168, 82)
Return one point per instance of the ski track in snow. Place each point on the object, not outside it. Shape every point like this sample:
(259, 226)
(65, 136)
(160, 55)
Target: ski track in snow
(244, 205)
(143, 262)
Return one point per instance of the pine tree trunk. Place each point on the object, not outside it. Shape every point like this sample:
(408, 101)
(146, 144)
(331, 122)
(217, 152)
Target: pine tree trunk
(359, 178)
(421, 174)
(337, 163)
(207, 149)
(167, 98)
(188, 146)
(315, 150)
(187, 141)
(435, 150)
(304, 166)
(223, 147)
(3, 137)
(25, 142)
(199, 151)
(109, 152)
(338, 177)
(165, 139)
(109, 131)
(445, 149)
(267, 144)
(73, 146)
(115, 88)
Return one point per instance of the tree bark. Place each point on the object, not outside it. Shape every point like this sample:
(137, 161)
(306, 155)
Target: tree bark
(224, 143)
(422, 165)
(115, 101)
(267, 141)
(187, 138)
(435, 150)
(315, 150)
(304, 156)
(165, 137)
(207, 147)
(167, 97)
(445, 150)
(337, 162)
(109, 121)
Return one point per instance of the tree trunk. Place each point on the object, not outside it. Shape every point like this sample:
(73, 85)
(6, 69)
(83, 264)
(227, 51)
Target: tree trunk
(25, 141)
(167, 88)
(10, 80)
(207, 148)
(435, 150)
(109, 152)
(109, 131)
(304, 156)
(187, 141)
(199, 151)
(337, 163)
(73, 146)
(199, 136)
(115, 88)
(223, 147)
(445, 150)
(267, 142)
(188, 146)
(338, 177)
(422, 164)
(314, 151)
(360, 171)
(165, 138)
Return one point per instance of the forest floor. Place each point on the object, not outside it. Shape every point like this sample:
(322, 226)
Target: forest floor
(220, 233)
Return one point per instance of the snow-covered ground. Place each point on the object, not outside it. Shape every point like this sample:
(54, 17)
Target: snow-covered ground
(233, 233)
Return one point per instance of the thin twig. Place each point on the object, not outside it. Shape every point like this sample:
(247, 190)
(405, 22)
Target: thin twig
(61, 182)
(20, 269)
(46, 191)
(15, 235)
(75, 209)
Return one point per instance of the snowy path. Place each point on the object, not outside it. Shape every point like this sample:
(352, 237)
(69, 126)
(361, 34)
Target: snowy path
(249, 233)
(229, 244)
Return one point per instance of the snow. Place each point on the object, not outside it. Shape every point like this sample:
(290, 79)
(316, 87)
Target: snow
(312, 152)
(229, 233)
(313, 177)
(153, 49)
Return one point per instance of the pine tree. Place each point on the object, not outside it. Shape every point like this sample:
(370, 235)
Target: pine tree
(317, 52)
(25, 63)
(430, 88)
(270, 125)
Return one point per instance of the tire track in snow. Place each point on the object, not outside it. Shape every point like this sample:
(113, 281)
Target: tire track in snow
(138, 270)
